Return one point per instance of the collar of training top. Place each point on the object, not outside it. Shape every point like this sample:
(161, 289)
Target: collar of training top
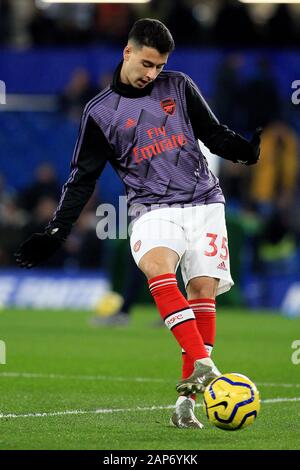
(127, 90)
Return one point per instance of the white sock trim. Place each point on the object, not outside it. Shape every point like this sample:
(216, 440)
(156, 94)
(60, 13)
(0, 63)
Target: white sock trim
(179, 317)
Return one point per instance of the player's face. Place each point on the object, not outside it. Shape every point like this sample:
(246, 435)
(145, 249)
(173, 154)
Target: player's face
(141, 65)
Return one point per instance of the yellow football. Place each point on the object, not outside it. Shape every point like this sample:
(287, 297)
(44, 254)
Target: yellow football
(109, 304)
(231, 401)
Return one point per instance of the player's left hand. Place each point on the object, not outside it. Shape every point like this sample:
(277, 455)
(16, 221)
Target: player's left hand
(253, 156)
(36, 249)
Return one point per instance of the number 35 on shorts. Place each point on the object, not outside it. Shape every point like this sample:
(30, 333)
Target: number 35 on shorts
(217, 245)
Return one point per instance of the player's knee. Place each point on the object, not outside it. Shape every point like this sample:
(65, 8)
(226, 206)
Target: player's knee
(200, 288)
(152, 268)
(158, 261)
(204, 293)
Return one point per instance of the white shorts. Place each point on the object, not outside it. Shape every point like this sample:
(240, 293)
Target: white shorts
(197, 233)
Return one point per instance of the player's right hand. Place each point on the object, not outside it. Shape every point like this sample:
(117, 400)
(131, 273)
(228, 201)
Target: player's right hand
(252, 151)
(36, 249)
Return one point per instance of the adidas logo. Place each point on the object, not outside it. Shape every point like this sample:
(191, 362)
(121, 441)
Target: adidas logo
(222, 266)
(130, 123)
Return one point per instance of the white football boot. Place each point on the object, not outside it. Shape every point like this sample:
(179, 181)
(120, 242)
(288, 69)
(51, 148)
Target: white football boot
(204, 372)
(183, 416)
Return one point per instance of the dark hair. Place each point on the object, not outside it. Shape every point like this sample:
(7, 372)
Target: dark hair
(152, 33)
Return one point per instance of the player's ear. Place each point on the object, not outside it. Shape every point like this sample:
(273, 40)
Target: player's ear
(127, 52)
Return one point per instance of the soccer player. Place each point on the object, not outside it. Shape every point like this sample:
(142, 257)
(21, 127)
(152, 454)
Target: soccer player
(146, 124)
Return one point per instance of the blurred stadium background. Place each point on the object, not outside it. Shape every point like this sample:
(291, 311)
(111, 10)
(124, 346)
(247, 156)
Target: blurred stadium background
(53, 59)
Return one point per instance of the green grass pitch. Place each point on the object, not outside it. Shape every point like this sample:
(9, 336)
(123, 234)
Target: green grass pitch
(67, 385)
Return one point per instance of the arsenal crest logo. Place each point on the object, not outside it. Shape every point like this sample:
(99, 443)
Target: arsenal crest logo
(169, 106)
(137, 246)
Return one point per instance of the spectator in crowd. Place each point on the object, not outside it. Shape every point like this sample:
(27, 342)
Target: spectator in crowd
(6, 193)
(11, 225)
(82, 249)
(280, 29)
(12, 221)
(274, 192)
(276, 243)
(40, 211)
(187, 29)
(244, 106)
(43, 29)
(112, 21)
(277, 175)
(45, 184)
(226, 22)
(234, 25)
(5, 21)
(261, 98)
(229, 91)
(77, 93)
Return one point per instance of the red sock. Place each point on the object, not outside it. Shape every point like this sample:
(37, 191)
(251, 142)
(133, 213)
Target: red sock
(205, 313)
(187, 368)
(177, 315)
(187, 365)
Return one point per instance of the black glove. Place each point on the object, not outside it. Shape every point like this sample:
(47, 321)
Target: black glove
(37, 249)
(252, 156)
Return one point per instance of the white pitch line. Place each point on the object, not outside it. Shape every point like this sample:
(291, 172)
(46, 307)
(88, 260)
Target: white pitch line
(277, 385)
(33, 375)
(83, 412)
(120, 410)
(279, 400)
